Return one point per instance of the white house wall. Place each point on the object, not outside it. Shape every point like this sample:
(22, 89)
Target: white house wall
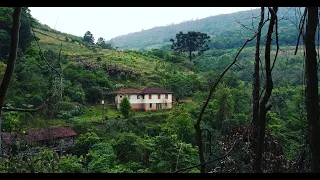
(154, 99)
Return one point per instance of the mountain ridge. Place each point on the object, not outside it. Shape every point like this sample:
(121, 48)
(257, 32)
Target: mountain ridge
(222, 27)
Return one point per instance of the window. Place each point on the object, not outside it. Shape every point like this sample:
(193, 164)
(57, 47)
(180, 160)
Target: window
(150, 105)
(166, 96)
(142, 96)
(158, 96)
(149, 96)
(120, 96)
(165, 104)
(138, 96)
(129, 96)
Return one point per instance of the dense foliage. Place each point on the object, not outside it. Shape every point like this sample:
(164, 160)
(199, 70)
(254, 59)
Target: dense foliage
(224, 30)
(190, 43)
(143, 142)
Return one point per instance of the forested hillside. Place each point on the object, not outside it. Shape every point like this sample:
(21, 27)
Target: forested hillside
(225, 31)
(60, 79)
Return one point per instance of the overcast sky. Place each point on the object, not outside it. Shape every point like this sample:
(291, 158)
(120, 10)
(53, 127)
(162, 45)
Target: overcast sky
(109, 22)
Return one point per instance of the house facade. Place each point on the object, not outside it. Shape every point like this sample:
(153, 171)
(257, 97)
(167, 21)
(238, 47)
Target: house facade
(148, 99)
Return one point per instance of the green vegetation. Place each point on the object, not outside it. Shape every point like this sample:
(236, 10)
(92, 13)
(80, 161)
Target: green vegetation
(224, 30)
(125, 107)
(147, 142)
(191, 42)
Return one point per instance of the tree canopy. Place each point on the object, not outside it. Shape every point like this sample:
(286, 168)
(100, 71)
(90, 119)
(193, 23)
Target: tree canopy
(88, 37)
(191, 42)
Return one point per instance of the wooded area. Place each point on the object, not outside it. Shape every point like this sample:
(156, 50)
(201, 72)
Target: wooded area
(254, 106)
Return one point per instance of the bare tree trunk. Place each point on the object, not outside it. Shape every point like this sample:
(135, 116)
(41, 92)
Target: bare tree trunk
(12, 60)
(312, 99)
(256, 78)
(212, 89)
(267, 94)
(256, 85)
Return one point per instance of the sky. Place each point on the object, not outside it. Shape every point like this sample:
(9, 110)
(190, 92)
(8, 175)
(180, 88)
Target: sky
(109, 22)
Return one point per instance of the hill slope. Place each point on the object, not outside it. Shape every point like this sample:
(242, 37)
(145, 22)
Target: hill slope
(224, 30)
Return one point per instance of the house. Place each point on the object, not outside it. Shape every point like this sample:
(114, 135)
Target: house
(146, 99)
(53, 138)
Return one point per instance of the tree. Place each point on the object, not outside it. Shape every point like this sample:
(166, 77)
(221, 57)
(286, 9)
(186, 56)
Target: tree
(256, 83)
(125, 107)
(269, 86)
(105, 45)
(85, 142)
(101, 41)
(5, 27)
(191, 42)
(12, 60)
(88, 37)
(182, 85)
(312, 97)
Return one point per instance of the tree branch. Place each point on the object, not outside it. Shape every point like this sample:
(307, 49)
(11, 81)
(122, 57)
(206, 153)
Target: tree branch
(302, 20)
(30, 110)
(277, 42)
(34, 34)
(285, 14)
(245, 26)
(213, 87)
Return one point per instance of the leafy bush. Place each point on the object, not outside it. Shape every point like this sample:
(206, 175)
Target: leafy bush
(70, 164)
(45, 162)
(85, 142)
(67, 110)
(10, 122)
(102, 158)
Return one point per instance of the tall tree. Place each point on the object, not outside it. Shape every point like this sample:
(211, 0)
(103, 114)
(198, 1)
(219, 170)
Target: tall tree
(191, 42)
(12, 60)
(100, 41)
(256, 85)
(312, 97)
(105, 45)
(88, 37)
(269, 86)
(256, 77)
(125, 107)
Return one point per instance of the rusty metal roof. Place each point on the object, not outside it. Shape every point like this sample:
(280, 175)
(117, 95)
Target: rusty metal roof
(50, 133)
(38, 135)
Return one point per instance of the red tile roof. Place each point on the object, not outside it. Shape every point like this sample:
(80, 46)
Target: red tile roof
(144, 91)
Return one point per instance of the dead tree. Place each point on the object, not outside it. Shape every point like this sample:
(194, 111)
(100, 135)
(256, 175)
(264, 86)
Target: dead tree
(312, 97)
(269, 86)
(256, 84)
(212, 89)
(11, 62)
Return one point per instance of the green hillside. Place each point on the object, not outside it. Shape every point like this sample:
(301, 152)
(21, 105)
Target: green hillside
(151, 142)
(224, 30)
